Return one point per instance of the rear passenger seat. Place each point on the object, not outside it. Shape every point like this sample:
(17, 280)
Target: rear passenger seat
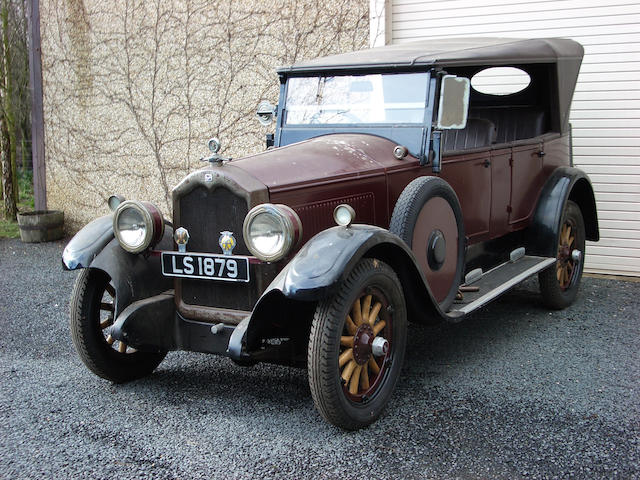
(513, 123)
(479, 132)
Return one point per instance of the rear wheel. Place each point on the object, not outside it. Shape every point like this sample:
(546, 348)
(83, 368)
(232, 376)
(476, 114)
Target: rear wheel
(559, 284)
(92, 313)
(356, 346)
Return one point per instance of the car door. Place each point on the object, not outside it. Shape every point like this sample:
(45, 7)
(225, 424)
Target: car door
(470, 176)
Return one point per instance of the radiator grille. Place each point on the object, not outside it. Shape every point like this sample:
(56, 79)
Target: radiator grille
(205, 213)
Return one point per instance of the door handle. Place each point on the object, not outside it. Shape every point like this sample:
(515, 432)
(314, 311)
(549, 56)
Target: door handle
(486, 163)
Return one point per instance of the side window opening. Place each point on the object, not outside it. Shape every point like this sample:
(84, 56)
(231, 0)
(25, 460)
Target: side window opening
(516, 101)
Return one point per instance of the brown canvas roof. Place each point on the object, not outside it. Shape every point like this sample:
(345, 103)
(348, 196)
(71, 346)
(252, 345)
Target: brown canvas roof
(565, 54)
(449, 52)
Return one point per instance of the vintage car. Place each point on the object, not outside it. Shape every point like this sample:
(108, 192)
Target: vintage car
(392, 190)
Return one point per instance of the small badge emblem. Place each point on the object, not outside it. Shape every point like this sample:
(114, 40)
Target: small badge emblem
(208, 177)
(227, 242)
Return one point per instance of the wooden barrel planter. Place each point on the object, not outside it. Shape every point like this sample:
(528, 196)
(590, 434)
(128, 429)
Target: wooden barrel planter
(41, 225)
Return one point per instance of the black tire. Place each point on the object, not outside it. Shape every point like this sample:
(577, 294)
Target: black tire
(353, 405)
(445, 224)
(559, 283)
(91, 314)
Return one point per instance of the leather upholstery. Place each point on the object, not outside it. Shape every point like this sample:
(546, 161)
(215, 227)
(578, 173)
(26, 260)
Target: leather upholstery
(479, 132)
(513, 123)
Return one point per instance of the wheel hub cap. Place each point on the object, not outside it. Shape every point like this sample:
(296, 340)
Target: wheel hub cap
(362, 344)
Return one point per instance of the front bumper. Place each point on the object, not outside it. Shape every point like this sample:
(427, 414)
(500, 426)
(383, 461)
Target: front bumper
(153, 324)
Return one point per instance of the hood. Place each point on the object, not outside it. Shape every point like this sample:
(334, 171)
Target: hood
(319, 159)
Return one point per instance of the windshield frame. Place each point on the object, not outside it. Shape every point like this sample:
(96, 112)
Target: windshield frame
(366, 107)
(412, 135)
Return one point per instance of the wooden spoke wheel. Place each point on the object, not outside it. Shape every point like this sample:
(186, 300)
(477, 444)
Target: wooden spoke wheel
(365, 345)
(106, 313)
(559, 284)
(356, 346)
(566, 264)
(92, 314)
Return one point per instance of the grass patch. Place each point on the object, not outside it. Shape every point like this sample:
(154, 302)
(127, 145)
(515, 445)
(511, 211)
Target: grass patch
(9, 228)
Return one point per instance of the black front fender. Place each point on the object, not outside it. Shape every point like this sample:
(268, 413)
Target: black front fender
(134, 276)
(325, 260)
(88, 243)
(320, 267)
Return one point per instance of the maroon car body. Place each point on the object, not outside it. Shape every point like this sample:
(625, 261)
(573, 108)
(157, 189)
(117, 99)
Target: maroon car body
(445, 197)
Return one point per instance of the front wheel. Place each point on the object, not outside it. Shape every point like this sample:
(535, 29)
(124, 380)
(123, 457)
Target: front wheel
(357, 345)
(559, 283)
(92, 309)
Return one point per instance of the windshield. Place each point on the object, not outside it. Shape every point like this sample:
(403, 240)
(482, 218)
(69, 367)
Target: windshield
(369, 99)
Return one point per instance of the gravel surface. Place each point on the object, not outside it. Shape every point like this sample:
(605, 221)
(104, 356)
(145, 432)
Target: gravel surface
(512, 392)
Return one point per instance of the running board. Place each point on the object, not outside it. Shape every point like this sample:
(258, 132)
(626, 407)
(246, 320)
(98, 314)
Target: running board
(497, 281)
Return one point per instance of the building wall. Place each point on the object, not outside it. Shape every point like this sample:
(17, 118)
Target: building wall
(606, 106)
(133, 89)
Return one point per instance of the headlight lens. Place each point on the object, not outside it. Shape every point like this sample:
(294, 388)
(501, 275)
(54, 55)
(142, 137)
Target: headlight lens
(270, 231)
(137, 225)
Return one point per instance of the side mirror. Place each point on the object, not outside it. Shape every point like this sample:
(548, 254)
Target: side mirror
(453, 107)
(266, 112)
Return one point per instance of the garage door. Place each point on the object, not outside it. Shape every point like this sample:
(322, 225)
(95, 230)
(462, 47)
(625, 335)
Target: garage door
(606, 106)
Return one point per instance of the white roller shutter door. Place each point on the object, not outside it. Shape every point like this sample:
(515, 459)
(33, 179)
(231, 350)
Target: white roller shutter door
(605, 112)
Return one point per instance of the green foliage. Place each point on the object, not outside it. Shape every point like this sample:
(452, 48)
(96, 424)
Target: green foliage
(25, 190)
(9, 229)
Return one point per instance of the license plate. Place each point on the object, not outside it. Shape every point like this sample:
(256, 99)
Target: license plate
(209, 267)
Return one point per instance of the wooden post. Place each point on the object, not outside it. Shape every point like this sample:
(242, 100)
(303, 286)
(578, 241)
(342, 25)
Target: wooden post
(37, 115)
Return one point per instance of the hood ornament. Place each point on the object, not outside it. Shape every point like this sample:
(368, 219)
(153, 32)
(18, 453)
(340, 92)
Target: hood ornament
(214, 147)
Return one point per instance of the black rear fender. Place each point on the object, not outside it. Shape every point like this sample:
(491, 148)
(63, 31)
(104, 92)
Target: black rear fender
(566, 183)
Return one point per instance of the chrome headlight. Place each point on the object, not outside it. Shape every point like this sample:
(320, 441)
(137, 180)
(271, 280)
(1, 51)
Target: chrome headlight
(271, 231)
(137, 225)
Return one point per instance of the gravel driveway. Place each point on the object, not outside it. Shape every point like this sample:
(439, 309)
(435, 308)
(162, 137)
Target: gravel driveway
(513, 392)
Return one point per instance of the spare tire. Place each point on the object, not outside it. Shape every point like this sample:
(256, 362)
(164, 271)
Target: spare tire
(428, 217)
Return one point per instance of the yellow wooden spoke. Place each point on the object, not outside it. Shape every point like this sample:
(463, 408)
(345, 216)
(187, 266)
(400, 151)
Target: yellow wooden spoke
(364, 377)
(351, 327)
(348, 370)
(378, 327)
(366, 306)
(558, 272)
(355, 379)
(108, 306)
(374, 313)
(356, 312)
(346, 341)
(571, 239)
(373, 365)
(110, 290)
(345, 357)
(110, 339)
(122, 348)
